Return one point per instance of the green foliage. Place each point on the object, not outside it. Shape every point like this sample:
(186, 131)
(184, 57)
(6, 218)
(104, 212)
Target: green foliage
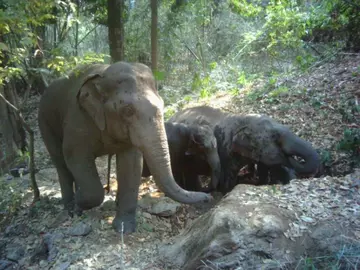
(242, 81)
(159, 75)
(305, 61)
(350, 141)
(336, 19)
(205, 86)
(349, 110)
(61, 65)
(168, 113)
(325, 157)
(279, 91)
(10, 200)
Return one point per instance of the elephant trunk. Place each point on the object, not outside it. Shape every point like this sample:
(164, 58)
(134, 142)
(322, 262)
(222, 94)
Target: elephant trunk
(156, 154)
(214, 163)
(295, 146)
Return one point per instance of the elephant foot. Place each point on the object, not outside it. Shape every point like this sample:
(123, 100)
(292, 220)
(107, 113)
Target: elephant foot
(125, 223)
(72, 209)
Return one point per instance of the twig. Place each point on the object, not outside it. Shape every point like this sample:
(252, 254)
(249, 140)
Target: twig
(85, 36)
(187, 47)
(26, 95)
(347, 53)
(32, 159)
(122, 246)
(107, 188)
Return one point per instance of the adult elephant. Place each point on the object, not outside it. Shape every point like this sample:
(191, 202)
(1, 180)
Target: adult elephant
(249, 139)
(108, 109)
(188, 144)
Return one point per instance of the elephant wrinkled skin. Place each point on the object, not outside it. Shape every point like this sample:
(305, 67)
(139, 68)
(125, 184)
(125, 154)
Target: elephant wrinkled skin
(189, 144)
(108, 109)
(205, 137)
(254, 139)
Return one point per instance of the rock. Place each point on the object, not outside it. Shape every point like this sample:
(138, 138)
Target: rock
(15, 230)
(14, 252)
(63, 266)
(80, 229)
(7, 265)
(59, 219)
(43, 263)
(109, 205)
(165, 207)
(162, 206)
(47, 249)
(248, 231)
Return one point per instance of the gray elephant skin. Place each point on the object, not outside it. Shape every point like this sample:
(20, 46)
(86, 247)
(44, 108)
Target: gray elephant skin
(190, 145)
(206, 159)
(108, 109)
(254, 139)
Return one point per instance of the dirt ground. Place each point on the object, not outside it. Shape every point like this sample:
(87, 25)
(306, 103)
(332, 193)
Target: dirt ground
(42, 236)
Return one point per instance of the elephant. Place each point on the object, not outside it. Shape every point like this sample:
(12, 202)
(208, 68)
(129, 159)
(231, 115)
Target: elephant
(208, 151)
(254, 139)
(190, 143)
(102, 109)
(259, 138)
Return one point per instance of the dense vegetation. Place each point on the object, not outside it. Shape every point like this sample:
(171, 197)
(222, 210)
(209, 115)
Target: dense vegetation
(203, 46)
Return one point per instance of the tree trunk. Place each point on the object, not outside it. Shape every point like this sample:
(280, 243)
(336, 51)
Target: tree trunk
(12, 133)
(77, 28)
(116, 44)
(116, 29)
(154, 20)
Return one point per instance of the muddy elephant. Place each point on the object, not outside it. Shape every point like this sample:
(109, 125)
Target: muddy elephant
(188, 143)
(254, 139)
(108, 109)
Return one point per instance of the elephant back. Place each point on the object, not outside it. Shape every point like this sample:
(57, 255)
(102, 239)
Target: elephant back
(200, 115)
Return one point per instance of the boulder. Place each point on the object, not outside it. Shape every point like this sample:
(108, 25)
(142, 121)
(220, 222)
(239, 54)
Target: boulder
(271, 228)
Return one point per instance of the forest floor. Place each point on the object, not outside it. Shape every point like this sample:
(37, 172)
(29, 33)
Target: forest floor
(319, 106)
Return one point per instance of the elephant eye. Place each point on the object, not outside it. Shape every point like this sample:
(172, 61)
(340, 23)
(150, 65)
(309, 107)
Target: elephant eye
(128, 110)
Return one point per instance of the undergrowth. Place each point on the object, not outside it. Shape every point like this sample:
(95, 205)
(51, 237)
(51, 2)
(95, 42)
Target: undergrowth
(346, 258)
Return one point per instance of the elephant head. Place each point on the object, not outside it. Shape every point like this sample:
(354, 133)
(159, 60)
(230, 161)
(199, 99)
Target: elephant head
(203, 143)
(124, 104)
(261, 139)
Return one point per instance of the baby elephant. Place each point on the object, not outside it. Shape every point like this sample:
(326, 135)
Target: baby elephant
(188, 145)
(259, 139)
(253, 139)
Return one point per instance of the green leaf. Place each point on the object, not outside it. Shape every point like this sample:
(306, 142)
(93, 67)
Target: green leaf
(3, 47)
(159, 76)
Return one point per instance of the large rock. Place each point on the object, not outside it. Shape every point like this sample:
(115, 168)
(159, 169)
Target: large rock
(260, 227)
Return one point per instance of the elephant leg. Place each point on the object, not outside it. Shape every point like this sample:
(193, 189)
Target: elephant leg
(89, 190)
(66, 178)
(128, 169)
(263, 174)
(192, 181)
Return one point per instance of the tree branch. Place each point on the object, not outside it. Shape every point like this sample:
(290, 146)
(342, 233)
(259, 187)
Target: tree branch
(88, 33)
(31, 150)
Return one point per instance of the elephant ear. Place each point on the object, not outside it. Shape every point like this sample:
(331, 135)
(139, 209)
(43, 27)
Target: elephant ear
(241, 144)
(195, 146)
(91, 99)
